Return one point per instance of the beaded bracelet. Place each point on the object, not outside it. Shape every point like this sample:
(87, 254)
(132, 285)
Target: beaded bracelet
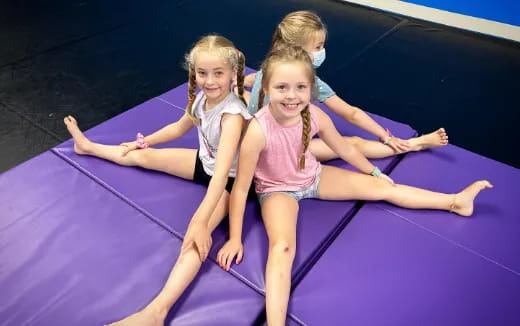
(389, 138)
(376, 172)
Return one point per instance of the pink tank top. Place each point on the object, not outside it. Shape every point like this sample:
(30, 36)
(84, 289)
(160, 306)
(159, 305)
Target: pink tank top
(277, 168)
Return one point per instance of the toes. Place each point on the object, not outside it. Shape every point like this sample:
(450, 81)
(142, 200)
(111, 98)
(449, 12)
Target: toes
(442, 132)
(69, 119)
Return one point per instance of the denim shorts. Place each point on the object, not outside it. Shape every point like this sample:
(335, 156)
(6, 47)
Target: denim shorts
(311, 192)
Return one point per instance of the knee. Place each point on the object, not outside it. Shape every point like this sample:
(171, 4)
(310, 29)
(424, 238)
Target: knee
(282, 248)
(382, 189)
(355, 141)
(138, 157)
(187, 254)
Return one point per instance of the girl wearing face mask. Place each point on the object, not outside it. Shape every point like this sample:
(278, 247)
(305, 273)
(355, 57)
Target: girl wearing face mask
(305, 29)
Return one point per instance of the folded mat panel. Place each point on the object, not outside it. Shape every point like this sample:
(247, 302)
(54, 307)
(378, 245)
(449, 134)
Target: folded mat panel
(493, 230)
(168, 200)
(383, 270)
(72, 253)
(171, 201)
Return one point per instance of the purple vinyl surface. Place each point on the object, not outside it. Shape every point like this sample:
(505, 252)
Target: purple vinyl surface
(73, 253)
(85, 241)
(169, 200)
(174, 207)
(383, 270)
(493, 230)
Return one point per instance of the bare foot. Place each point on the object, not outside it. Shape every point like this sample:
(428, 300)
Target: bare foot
(463, 201)
(434, 139)
(81, 143)
(145, 317)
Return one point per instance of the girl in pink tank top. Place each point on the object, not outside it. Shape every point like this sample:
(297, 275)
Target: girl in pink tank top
(277, 169)
(275, 151)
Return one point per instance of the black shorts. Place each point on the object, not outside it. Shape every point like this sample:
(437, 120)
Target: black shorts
(201, 177)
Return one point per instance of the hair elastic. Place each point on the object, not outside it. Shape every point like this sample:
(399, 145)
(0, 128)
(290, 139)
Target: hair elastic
(140, 141)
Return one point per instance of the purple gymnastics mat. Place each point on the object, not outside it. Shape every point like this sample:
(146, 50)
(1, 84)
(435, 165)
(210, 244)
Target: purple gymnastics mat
(72, 253)
(171, 201)
(493, 230)
(168, 200)
(384, 270)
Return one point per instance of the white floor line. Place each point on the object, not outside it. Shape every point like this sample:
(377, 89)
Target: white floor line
(474, 24)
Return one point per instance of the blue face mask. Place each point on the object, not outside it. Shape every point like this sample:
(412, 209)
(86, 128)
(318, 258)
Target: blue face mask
(318, 57)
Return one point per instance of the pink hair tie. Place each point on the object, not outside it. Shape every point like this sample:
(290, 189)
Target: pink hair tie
(140, 141)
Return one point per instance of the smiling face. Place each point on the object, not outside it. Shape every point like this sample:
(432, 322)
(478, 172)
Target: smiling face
(289, 90)
(213, 75)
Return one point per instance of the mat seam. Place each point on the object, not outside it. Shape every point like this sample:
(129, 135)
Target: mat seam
(149, 215)
(325, 244)
(169, 103)
(453, 242)
(340, 226)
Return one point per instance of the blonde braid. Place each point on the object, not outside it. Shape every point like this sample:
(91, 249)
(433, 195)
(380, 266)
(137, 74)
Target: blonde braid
(192, 87)
(261, 96)
(306, 132)
(241, 66)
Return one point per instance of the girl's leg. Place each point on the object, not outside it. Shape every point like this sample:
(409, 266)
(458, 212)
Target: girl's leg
(184, 271)
(340, 184)
(279, 212)
(176, 161)
(376, 149)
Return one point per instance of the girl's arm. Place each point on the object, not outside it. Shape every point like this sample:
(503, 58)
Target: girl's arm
(359, 118)
(165, 134)
(330, 135)
(171, 131)
(252, 144)
(249, 80)
(198, 232)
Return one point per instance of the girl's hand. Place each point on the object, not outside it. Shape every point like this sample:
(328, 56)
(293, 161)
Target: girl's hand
(387, 178)
(399, 145)
(130, 146)
(231, 248)
(199, 237)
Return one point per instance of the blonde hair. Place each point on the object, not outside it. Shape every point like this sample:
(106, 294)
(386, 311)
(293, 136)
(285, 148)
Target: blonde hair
(291, 54)
(297, 28)
(228, 51)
